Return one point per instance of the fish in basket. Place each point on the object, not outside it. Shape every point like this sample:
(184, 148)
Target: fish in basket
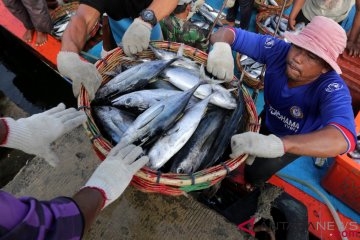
(184, 119)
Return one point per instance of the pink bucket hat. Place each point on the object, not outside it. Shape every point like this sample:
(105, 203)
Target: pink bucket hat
(323, 37)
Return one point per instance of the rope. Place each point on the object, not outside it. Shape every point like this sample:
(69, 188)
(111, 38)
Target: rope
(326, 200)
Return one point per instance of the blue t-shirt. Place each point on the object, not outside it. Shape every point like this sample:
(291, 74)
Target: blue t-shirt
(300, 109)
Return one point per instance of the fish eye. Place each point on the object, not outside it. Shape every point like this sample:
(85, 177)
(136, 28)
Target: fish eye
(128, 101)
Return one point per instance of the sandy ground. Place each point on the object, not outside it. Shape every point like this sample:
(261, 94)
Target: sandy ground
(135, 215)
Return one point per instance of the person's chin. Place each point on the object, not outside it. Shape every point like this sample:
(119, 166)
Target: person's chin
(291, 72)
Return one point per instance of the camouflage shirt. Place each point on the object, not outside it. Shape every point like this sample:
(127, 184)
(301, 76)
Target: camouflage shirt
(178, 30)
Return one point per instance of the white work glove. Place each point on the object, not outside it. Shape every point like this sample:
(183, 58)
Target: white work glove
(80, 72)
(230, 3)
(34, 134)
(196, 5)
(256, 145)
(116, 171)
(137, 37)
(221, 62)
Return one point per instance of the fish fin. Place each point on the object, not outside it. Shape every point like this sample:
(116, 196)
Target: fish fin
(180, 52)
(172, 131)
(180, 116)
(205, 79)
(166, 79)
(231, 89)
(113, 73)
(156, 53)
(143, 141)
(153, 115)
(154, 79)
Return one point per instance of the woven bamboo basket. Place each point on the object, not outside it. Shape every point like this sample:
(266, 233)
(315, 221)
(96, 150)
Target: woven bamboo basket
(249, 80)
(260, 17)
(261, 6)
(69, 7)
(149, 180)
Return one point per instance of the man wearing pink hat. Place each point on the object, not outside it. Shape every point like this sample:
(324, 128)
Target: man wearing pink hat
(307, 105)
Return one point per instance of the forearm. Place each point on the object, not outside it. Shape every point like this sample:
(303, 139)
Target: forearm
(355, 29)
(296, 8)
(90, 202)
(326, 142)
(223, 35)
(163, 8)
(79, 27)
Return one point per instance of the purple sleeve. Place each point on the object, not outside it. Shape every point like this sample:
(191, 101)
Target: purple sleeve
(28, 218)
(262, 48)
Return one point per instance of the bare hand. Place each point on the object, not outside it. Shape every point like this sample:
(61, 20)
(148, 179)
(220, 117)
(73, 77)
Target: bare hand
(291, 24)
(353, 48)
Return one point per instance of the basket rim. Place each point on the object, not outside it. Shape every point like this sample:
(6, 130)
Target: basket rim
(149, 175)
(61, 8)
(260, 16)
(249, 80)
(264, 7)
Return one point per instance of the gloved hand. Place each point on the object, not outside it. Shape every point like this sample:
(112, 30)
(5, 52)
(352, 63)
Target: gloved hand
(116, 171)
(137, 37)
(195, 5)
(230, 3)
(220, 61)
(34, 134)
(256, 145)
(80, 72)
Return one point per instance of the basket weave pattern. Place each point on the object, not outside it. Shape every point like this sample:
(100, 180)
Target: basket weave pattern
(261, 6)
(249, 80)
(149, 180)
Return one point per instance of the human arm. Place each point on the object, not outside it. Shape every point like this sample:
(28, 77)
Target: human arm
(262, 48)
(137, 37)
(79, 28)
(68, 60)
(68, 218)
(326, 142)
(34, 134)
(109, 180)
(297, 5)
(163, 8)
(29, 218)
(353, 40)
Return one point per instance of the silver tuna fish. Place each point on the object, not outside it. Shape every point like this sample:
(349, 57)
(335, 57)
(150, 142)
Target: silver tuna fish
(182, 62)
(190, 157)
(114, 121)
(134, 78)
(157, 118)
(143, 99)
(185, 79)
(174, 139)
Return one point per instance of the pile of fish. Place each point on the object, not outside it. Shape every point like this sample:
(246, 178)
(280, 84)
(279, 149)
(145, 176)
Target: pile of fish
(209, 14)
(251, 67)
(60, 24)
(181, 117)
(270, 25)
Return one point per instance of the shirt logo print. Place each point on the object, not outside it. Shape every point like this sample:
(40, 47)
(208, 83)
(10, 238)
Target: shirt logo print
(269, 42)
(334, 87)
(296, 112)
